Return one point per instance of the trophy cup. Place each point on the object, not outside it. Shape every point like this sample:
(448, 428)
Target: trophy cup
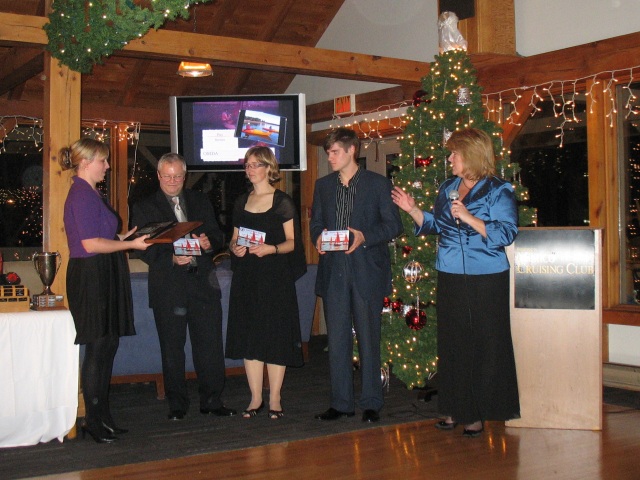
(47, 265)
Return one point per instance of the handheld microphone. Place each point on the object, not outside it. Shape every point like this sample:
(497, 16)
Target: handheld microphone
(455, 195)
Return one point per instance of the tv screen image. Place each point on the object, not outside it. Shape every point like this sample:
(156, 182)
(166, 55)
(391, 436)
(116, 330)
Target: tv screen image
(213, 133)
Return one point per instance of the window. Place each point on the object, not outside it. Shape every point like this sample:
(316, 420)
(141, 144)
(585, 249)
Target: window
(629, 167)
(554, 169)
(21, 182)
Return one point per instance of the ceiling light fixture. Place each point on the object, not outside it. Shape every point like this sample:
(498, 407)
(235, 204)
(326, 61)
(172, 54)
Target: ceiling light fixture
(194, 69)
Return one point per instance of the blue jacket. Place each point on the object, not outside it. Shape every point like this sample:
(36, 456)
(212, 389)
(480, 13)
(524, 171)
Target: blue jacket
(376, 216)
(491, 200)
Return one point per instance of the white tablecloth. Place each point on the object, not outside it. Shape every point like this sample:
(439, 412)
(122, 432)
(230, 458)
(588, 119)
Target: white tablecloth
(38, 377)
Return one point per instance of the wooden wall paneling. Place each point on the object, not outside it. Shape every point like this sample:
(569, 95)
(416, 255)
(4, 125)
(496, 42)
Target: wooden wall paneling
(62, 127)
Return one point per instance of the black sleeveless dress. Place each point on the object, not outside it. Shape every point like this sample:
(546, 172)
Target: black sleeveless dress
(263, 322)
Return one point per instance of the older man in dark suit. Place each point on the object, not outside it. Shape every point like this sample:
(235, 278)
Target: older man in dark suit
(183, 291)
(353, 283)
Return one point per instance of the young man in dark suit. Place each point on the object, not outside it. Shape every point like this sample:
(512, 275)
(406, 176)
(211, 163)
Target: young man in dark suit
(353, 283)
(183, 291)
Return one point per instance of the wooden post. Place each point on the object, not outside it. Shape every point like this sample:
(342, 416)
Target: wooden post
(492, 29)
(61, 127)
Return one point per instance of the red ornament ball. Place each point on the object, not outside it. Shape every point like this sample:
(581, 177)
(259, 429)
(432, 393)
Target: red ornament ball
(386, 303)
(397, 304)
(415, 319)
(406, 250)
(423, 162)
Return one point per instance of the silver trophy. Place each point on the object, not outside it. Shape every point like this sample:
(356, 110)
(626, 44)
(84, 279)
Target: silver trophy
(47, 265)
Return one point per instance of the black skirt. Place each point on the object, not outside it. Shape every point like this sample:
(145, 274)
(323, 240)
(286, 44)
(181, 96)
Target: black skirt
(99, 295)
(476, 365)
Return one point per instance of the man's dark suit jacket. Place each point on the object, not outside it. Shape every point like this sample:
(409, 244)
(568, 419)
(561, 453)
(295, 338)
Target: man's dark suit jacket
(166, 285)
(376, 216)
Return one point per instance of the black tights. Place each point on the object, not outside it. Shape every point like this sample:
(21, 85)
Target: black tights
(96, 377)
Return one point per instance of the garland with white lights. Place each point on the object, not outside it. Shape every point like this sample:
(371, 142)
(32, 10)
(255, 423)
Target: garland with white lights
(82, 32)
(563, 94)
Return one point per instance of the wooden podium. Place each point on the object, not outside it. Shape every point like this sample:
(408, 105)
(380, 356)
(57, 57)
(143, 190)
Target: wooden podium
(556, 325)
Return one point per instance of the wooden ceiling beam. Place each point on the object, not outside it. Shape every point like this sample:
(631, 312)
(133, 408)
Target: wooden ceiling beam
(225, 51)
(275, 57)
(618, 53)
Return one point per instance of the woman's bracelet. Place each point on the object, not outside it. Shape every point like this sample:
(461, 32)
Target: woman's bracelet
(276, 249)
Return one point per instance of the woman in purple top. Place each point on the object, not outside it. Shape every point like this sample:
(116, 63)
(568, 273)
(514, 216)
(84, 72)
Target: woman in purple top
(98, 284)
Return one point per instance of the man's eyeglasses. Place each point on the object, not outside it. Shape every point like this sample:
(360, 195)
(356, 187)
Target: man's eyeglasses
(175, 178)
(253, 166)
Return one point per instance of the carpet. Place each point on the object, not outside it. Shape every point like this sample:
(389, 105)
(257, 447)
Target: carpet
(152, 437)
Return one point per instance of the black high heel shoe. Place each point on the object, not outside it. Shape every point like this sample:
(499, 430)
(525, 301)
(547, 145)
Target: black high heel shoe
(113, 430)
(252, 412)
(100, 435)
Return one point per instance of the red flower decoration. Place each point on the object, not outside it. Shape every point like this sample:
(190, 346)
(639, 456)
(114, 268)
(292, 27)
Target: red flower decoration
(406, 250)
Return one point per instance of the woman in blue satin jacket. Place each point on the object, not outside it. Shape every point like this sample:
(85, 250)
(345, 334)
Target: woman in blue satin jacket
(476, 217)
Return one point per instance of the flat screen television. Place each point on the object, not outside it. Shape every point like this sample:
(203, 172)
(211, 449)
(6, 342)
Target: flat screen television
(213, 133)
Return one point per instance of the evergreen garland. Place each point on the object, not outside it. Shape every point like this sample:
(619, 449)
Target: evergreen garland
(450, 100)
(83, 32)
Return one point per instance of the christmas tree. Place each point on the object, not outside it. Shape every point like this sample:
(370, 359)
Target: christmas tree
(450, 100)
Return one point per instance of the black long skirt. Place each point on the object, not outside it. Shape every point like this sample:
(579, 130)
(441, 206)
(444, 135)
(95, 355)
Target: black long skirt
(99, 294)
(476, 366)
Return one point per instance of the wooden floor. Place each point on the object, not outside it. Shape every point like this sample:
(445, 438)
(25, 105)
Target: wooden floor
(417, 450)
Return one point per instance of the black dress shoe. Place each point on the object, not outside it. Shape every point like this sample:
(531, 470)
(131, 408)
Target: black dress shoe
(176, 414)
(370, 416)
(443, 425)
(219, 412)
(333, 414)
(113, 429)
(99, 434)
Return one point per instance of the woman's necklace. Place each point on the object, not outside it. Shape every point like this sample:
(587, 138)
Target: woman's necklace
(464, 181)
